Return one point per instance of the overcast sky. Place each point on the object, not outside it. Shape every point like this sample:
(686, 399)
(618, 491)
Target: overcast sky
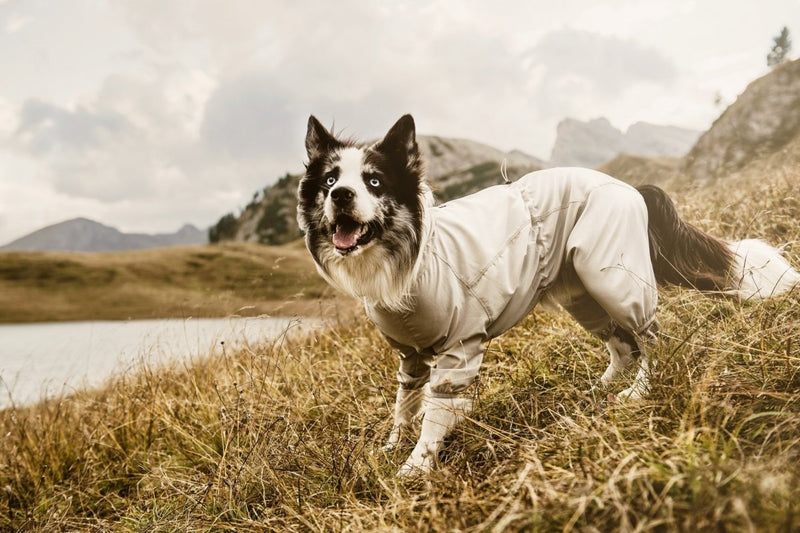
(148, 114)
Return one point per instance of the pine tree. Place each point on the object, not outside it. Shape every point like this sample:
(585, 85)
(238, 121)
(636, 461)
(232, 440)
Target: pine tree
(780, 48)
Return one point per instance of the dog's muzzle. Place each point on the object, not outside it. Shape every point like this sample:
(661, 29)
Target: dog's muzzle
(349, 233)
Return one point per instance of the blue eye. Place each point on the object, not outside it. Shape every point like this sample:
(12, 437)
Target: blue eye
(375, 182)
(330, 180)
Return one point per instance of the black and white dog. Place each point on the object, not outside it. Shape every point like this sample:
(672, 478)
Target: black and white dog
(439, 282)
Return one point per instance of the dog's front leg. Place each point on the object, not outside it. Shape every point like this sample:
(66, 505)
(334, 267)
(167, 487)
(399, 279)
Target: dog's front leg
(441, 416)
(407, 406)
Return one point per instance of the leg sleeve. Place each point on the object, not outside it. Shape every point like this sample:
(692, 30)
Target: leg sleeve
(456, 368)
(415, 368)
(589, 314)
(610, 251)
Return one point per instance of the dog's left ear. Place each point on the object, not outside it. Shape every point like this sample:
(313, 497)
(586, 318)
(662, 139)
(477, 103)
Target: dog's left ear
(401, 139)
(318, 138)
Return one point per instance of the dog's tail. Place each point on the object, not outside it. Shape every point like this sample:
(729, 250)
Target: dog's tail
(685, 255)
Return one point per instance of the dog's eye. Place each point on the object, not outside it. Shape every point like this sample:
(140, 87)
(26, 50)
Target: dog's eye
(375, 182)
(330, 180)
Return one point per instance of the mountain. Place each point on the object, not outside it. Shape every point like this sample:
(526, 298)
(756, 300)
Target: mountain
(763, 123)
(760, 131)
(454, 167)
(84, 235)
(589, 144)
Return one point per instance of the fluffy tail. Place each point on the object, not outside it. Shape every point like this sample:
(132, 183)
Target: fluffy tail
(685, 255)
(760, 271)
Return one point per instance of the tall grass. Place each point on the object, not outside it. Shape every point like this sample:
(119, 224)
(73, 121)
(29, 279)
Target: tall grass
(285, 436)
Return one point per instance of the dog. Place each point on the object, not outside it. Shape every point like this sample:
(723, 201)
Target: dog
(441, 281)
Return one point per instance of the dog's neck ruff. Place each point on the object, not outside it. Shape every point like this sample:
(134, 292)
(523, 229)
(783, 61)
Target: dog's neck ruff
(392, 288)
(383, 277)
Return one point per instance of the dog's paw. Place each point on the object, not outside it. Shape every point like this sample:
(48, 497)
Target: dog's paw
(389, 447)
(414, 468)
(420, 462)
(630, 394)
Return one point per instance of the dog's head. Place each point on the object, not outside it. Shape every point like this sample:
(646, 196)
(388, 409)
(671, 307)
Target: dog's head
(362, 205)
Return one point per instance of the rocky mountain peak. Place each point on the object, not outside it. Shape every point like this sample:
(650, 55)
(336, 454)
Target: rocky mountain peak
(591, 143)
(762, 120)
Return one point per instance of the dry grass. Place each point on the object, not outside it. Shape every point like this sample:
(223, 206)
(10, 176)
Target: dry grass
(199, 281)
(285, 436)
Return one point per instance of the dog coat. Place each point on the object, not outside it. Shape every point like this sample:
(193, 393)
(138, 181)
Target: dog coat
(488, 258)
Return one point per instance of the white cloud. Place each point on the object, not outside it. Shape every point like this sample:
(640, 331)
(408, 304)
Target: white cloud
(16, 23)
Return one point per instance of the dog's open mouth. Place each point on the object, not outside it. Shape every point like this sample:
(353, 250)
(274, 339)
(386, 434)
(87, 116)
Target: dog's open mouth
(349, 234)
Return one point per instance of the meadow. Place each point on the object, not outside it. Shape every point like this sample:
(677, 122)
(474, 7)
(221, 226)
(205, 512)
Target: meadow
(192, 281)
(286, 436)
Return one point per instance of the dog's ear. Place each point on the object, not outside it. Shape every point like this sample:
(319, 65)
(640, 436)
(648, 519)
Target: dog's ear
(318, 138)
(401, 139)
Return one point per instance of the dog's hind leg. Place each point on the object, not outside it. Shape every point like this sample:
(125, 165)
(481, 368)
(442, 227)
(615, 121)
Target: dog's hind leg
(641, 382)
(621, 345)
(610, 254)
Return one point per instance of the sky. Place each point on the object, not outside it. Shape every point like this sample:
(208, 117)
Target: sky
(149, 114)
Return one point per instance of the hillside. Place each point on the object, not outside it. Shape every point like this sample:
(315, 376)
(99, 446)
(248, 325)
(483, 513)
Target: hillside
(638, 170)
(199, 281)
(454, 167)
(763, 122)
(84, 235)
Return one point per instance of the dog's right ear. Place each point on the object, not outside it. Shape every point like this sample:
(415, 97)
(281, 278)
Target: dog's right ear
(318, 138)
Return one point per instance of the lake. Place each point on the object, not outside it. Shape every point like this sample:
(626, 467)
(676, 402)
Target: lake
(48, 359)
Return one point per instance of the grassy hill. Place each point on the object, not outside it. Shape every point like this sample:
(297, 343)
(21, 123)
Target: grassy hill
(285, 436)
(199, 281)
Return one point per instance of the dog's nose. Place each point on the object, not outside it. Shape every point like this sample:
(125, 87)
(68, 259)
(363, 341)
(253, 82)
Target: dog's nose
(342, 195)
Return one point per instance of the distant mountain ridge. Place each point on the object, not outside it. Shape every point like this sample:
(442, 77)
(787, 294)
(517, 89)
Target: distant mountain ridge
(757, 135)
(84, 235)
(592, 143)
(454, 167)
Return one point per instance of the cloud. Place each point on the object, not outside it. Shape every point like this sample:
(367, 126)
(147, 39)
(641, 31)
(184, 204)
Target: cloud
(45, 128)
(16, 23)
(210, 101)
(91, 153)
(250, 116)
(576, 67)
(130, 140)
(239, 124)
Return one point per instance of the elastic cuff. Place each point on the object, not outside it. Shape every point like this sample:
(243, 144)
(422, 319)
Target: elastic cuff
(444, 394)
(649, 329)
(605, 333)
(462, 391)
(414, 385)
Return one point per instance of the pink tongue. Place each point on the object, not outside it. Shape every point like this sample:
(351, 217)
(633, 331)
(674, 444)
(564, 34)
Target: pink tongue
(346, 238)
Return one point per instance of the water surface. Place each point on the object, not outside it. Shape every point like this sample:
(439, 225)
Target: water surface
(46, 359)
